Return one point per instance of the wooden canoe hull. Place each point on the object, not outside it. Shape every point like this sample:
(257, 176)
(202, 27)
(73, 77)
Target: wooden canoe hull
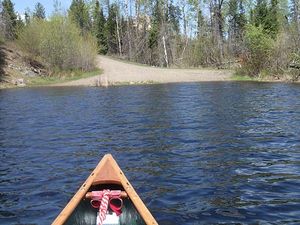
(107, 174)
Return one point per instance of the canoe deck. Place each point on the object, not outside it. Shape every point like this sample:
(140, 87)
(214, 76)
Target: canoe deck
(107, 175)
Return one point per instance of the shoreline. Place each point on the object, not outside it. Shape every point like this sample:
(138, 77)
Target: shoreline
(116, 72)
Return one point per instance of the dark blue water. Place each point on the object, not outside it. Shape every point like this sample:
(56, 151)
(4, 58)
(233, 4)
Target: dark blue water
(211, 153)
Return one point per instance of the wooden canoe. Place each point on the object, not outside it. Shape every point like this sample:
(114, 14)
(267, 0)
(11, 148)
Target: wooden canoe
(107, 175)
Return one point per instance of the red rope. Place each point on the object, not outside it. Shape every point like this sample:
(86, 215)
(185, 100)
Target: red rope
(103, 207)
(103, 199)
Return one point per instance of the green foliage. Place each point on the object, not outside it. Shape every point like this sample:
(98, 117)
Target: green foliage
(237, 24)
(259, 49)
(238, 77)
(111, 29)
(267, 16)
(10, 19)
(173, 16)
(260, 12)
(99, 28)
(19, 25)
(273, 19)
(39, 11)
(237, 17)
(30, 37)
(27, 15)
(79, 13)
(153, 39)
(200, 22)
(59, 43)
(202, 52)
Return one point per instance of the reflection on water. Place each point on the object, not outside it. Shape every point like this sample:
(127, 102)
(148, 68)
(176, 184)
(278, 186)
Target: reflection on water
(211, 153)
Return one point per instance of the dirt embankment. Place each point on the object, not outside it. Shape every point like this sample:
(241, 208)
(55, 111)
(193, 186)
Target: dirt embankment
(16, 67)
(118, 72)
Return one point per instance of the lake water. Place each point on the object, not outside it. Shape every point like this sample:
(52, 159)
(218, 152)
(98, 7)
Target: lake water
(209, 153)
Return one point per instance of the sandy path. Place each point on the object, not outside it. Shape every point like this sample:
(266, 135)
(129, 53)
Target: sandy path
(120, 72)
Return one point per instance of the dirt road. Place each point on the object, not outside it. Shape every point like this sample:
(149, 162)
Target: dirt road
(118, 72)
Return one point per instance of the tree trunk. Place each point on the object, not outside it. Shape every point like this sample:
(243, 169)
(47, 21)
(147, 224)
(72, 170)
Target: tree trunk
(128, 32)
(165, 51)
(118, 35)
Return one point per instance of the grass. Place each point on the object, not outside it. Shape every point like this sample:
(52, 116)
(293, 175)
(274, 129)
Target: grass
(61, 78)
(237, 77)
(264, 77)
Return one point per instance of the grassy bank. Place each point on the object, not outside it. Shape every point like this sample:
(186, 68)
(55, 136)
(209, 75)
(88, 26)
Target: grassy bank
(61, 78)
(237, 77)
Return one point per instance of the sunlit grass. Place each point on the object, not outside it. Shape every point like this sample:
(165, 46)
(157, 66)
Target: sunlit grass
(242, 78)
(61, 78)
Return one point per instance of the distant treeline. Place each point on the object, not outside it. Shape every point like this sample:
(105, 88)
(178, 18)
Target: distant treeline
(257, 37)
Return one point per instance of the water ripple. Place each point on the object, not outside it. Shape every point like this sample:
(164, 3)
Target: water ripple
(213, 153)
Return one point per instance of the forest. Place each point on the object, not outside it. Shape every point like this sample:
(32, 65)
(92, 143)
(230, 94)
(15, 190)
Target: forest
(257, 38)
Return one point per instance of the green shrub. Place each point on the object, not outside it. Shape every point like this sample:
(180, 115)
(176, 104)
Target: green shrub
(59, 43)
(259, 47)
(30, 37)
(202, 52)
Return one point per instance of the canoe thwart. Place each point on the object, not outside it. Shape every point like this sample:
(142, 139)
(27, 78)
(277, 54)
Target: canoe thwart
(90, 195)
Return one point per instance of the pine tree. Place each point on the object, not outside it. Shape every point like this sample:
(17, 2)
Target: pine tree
(260, 13)
(267, 17)
(174, 15)
(237, 19)
(200, 23)
(99, 28)
(273, 19)
(39, 11)
(10, 19)
(27, 16)
(80, 15)
(111, 29)
(155, 25)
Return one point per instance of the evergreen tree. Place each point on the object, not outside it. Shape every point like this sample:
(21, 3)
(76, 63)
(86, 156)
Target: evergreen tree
(267, 17)
(99, 28)
(200, 23)
(273, 19)
(27, 16)
(10, 19)
(111, 29)
(260, 13)
(241, 18)
(39, 11)
(173, 17)
(155, 25)
(237, 19)
(233, 14)
(80, 15)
